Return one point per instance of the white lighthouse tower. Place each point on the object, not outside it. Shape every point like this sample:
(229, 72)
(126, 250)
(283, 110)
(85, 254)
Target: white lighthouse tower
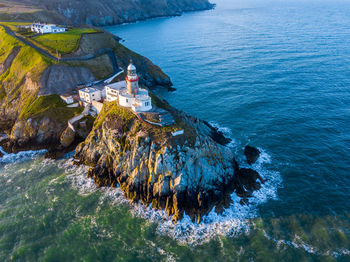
(132, 95)
(132, 80)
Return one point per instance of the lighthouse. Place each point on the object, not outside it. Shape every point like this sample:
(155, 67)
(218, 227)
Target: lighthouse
(132, 80)
(128, 93)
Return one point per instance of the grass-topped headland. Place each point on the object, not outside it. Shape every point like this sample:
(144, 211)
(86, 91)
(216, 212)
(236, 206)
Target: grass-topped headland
(125, 120)
(19, 81)
(50, 106)
(64, 43)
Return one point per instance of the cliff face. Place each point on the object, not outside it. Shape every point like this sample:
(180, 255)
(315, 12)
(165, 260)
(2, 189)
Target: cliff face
(26, 75)
(108, 12)
(31, 132)
(188, 173)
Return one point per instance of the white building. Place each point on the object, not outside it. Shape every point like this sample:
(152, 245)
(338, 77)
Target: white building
(67, 98)
(46, 28)
(89, 94)
(112, 90)
(128, 93)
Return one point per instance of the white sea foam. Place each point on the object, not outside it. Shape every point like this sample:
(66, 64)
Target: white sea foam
(298, 243)
(234, 220)
(20, 156)
(227, 133)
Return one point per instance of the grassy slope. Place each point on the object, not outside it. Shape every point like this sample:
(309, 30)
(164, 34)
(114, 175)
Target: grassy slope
(101, 67)
(27, 62)
(126, 117)
(64, 43)
(13, 25)
(51, 106)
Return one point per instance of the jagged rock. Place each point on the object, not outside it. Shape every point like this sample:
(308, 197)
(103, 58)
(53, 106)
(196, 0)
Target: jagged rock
(246, 182)
(191, 173)
(252, 154)
(36, 132)
(67, 137)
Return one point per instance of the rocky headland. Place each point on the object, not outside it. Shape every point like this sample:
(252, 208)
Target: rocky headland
(184, 168)
(190, 173)
(31, 111)
(96, 12)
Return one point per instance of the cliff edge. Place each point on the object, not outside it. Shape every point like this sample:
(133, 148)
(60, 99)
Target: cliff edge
(191, 173)
(97, 12)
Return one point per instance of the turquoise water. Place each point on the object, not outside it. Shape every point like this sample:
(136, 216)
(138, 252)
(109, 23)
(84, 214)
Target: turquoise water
(272, 74)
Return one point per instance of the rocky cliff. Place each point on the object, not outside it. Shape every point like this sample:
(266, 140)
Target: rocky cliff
(27, 79)
(189, 173)
(106, 12)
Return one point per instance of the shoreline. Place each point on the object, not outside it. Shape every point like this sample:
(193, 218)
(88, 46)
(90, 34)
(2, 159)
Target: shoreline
(157, 17)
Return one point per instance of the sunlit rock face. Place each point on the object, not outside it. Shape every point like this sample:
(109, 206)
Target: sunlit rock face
(105, 12)
(190, 173)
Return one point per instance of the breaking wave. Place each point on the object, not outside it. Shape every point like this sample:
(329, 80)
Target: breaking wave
(20, 156)
(233, 221)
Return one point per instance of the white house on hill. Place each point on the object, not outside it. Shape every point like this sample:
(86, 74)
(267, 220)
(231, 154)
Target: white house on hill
(128, 93)
(46, 28)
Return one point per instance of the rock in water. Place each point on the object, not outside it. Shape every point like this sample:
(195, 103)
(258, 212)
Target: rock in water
(252, 154)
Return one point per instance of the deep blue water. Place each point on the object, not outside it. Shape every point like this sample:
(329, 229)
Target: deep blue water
(275, 75)
(278, 75)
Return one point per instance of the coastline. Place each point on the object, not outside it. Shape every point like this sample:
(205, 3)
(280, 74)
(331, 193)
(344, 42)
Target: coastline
(64, 15)
(159, 17)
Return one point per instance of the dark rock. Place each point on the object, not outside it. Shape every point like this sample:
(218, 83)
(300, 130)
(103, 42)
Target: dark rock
(252, 154)
(217, 135)
(246, 181)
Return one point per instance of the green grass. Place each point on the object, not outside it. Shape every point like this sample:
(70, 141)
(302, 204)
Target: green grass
(114, 111)
(13, 25)
(50, 106)
(6, 44)
(101, 67)
(28, 64)
(64, 43)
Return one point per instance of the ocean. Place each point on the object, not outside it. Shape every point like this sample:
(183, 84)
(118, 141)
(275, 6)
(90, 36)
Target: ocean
(272, 74)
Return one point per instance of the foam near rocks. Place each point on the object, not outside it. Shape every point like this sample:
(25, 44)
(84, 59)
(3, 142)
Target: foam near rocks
(20, 156)
(233, 221)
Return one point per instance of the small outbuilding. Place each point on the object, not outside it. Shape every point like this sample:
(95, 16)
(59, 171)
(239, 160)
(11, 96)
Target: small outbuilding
(67, 98)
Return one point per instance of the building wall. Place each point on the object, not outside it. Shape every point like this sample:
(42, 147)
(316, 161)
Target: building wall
(68, 100)
(95, 96)
(143, 106)
(97, 106)
(125, 101)
(89, 97)
(111, 94)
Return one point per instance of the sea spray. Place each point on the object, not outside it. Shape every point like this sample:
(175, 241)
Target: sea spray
(232, 221)
(20, 156)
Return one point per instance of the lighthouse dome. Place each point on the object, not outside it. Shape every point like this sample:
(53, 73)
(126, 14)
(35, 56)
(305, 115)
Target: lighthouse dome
(131, 67)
